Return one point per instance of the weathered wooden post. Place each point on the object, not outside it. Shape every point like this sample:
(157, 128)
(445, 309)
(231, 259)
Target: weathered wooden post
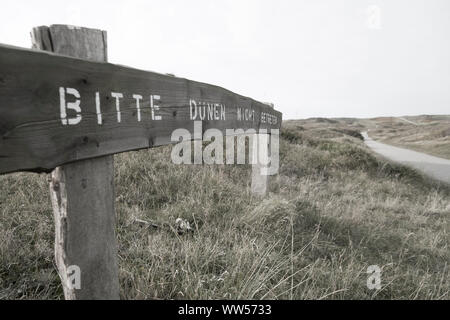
(82, 192)
(260, 152)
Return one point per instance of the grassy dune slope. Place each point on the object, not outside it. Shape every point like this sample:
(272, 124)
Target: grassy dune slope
(429, 134)
(333, 210)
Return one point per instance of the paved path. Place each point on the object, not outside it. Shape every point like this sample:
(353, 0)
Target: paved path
(434, 167)
(409, 121)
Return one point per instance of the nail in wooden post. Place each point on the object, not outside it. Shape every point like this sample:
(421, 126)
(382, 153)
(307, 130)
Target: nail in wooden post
(82, 192)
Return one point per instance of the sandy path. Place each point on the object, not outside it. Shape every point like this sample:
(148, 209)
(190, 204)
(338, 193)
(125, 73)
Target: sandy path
(437, 168)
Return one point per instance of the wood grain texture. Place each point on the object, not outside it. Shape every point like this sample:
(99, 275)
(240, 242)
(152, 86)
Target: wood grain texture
(33, 138)
(82, 192)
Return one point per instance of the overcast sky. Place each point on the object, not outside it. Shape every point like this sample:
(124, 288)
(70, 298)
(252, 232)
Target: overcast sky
(311, 58)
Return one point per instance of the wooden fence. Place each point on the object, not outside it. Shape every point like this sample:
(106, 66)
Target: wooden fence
(65, 110)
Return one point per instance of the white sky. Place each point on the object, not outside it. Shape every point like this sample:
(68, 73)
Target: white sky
(347, 58)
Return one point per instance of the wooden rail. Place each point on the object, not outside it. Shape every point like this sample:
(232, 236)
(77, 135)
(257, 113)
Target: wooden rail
(57, 109)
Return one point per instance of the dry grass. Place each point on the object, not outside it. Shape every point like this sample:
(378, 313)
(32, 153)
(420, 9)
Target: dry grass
(429, 134)
(333, 210)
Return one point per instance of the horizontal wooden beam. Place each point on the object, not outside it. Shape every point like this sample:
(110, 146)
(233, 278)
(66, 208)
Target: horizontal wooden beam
(57, 109)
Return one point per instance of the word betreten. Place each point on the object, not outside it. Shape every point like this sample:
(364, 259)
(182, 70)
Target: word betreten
(268, 118)
(74, 105)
